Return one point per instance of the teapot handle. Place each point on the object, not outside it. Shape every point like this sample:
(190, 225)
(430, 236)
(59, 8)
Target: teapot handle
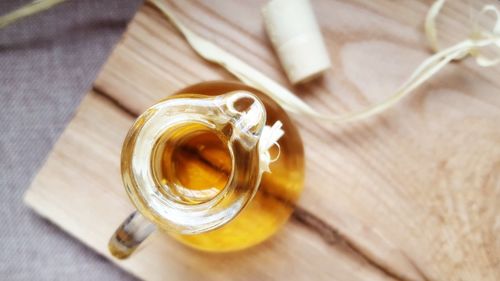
(129, 235)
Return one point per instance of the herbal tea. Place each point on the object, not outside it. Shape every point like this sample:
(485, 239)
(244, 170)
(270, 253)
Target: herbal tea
(195, 161)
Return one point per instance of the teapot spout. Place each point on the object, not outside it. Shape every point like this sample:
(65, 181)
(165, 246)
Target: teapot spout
(247, 116)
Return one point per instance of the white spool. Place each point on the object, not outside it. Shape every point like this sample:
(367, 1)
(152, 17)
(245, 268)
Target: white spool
(296, 37)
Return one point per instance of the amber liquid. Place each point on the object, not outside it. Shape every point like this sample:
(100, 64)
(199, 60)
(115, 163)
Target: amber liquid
(198, 159)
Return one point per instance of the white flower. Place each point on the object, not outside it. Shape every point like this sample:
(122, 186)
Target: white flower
(269, 137)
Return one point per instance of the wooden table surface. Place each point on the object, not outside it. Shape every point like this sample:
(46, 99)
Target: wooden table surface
(412, 194)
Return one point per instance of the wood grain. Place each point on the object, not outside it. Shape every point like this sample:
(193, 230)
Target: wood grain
(413, 194)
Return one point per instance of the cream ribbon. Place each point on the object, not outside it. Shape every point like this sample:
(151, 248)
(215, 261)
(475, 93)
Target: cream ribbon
(472, 46)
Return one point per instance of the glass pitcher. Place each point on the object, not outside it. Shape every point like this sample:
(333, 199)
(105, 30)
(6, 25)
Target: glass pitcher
(218, 166)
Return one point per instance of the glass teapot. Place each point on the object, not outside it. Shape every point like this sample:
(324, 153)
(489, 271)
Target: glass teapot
(218, 166)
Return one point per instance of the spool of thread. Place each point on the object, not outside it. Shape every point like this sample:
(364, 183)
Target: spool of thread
(296, 37)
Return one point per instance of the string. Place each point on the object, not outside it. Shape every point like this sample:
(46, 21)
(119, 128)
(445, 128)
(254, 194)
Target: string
(471, 46)
(27, 10)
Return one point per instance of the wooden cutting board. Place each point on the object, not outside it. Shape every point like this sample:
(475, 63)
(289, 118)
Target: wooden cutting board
(412, 194)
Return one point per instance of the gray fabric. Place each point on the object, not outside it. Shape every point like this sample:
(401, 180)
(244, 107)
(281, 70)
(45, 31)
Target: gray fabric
(47, 63)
